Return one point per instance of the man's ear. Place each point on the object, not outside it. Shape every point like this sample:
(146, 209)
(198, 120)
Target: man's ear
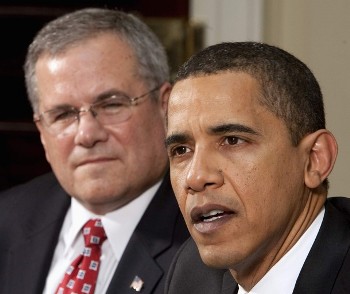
(322, 152)
(42, 139)
(164, 93)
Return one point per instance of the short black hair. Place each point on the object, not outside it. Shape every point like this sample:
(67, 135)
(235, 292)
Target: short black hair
(288, 87)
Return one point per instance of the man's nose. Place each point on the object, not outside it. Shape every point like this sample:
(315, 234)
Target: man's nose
(89, 129)
(204, 172)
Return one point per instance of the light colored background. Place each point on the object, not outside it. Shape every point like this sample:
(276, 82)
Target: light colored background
(315, 31)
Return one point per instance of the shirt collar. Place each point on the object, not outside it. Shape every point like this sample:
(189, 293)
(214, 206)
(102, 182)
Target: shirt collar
(119, 224)
(284, 274)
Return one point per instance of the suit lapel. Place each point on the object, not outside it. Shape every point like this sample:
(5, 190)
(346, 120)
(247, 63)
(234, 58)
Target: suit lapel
(136, 261)
(152, 237)
(326, 257)
(36, 248)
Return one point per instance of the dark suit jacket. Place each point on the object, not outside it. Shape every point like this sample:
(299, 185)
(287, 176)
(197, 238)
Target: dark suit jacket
(326, 269)
(30, 222)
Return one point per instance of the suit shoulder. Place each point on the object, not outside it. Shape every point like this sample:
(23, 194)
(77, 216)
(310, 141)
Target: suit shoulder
(342, 204)
(44, 181)
(188, 274)
(32, 195)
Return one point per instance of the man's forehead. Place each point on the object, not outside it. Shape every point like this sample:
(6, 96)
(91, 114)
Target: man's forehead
(230, 104)
(223, 91)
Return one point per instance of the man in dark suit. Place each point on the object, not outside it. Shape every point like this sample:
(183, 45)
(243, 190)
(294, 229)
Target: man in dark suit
(97, 81)
(249, 161)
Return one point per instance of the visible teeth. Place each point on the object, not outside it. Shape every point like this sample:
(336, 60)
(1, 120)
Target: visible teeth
(212, 215)
(212, 212)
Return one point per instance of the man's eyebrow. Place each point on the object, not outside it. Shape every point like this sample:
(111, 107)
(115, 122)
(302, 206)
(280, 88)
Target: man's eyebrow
(228, 128)
(176, 139)
(181, 138)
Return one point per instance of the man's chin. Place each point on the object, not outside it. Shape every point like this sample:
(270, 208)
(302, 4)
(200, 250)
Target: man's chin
(211, 256)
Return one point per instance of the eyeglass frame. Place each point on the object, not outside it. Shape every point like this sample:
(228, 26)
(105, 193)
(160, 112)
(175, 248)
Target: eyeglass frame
(132, 102)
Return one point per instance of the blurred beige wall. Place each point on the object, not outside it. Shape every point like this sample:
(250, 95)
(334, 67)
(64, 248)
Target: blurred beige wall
(318, 32)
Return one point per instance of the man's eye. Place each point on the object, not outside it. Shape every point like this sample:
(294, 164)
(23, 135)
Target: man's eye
(179, 151)
(61, 116)
(114, 103)
(232, 140)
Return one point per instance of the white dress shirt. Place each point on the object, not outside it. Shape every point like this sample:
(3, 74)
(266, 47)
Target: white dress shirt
(119, 226)
(281, 278)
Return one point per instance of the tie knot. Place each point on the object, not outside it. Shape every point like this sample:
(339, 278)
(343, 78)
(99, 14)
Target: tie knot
(93, 232)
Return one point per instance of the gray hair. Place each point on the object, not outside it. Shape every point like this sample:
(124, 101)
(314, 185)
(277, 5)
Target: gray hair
(58, 35)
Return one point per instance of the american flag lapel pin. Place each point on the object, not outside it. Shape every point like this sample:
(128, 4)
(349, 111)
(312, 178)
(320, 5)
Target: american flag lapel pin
(137, 284)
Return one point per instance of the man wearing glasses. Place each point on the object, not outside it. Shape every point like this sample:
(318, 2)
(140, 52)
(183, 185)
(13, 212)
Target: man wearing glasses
(97, 81)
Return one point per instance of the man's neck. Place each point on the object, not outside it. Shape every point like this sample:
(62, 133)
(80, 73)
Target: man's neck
(249, 276)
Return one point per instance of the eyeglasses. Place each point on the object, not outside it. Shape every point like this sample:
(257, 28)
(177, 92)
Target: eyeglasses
(109, 111)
